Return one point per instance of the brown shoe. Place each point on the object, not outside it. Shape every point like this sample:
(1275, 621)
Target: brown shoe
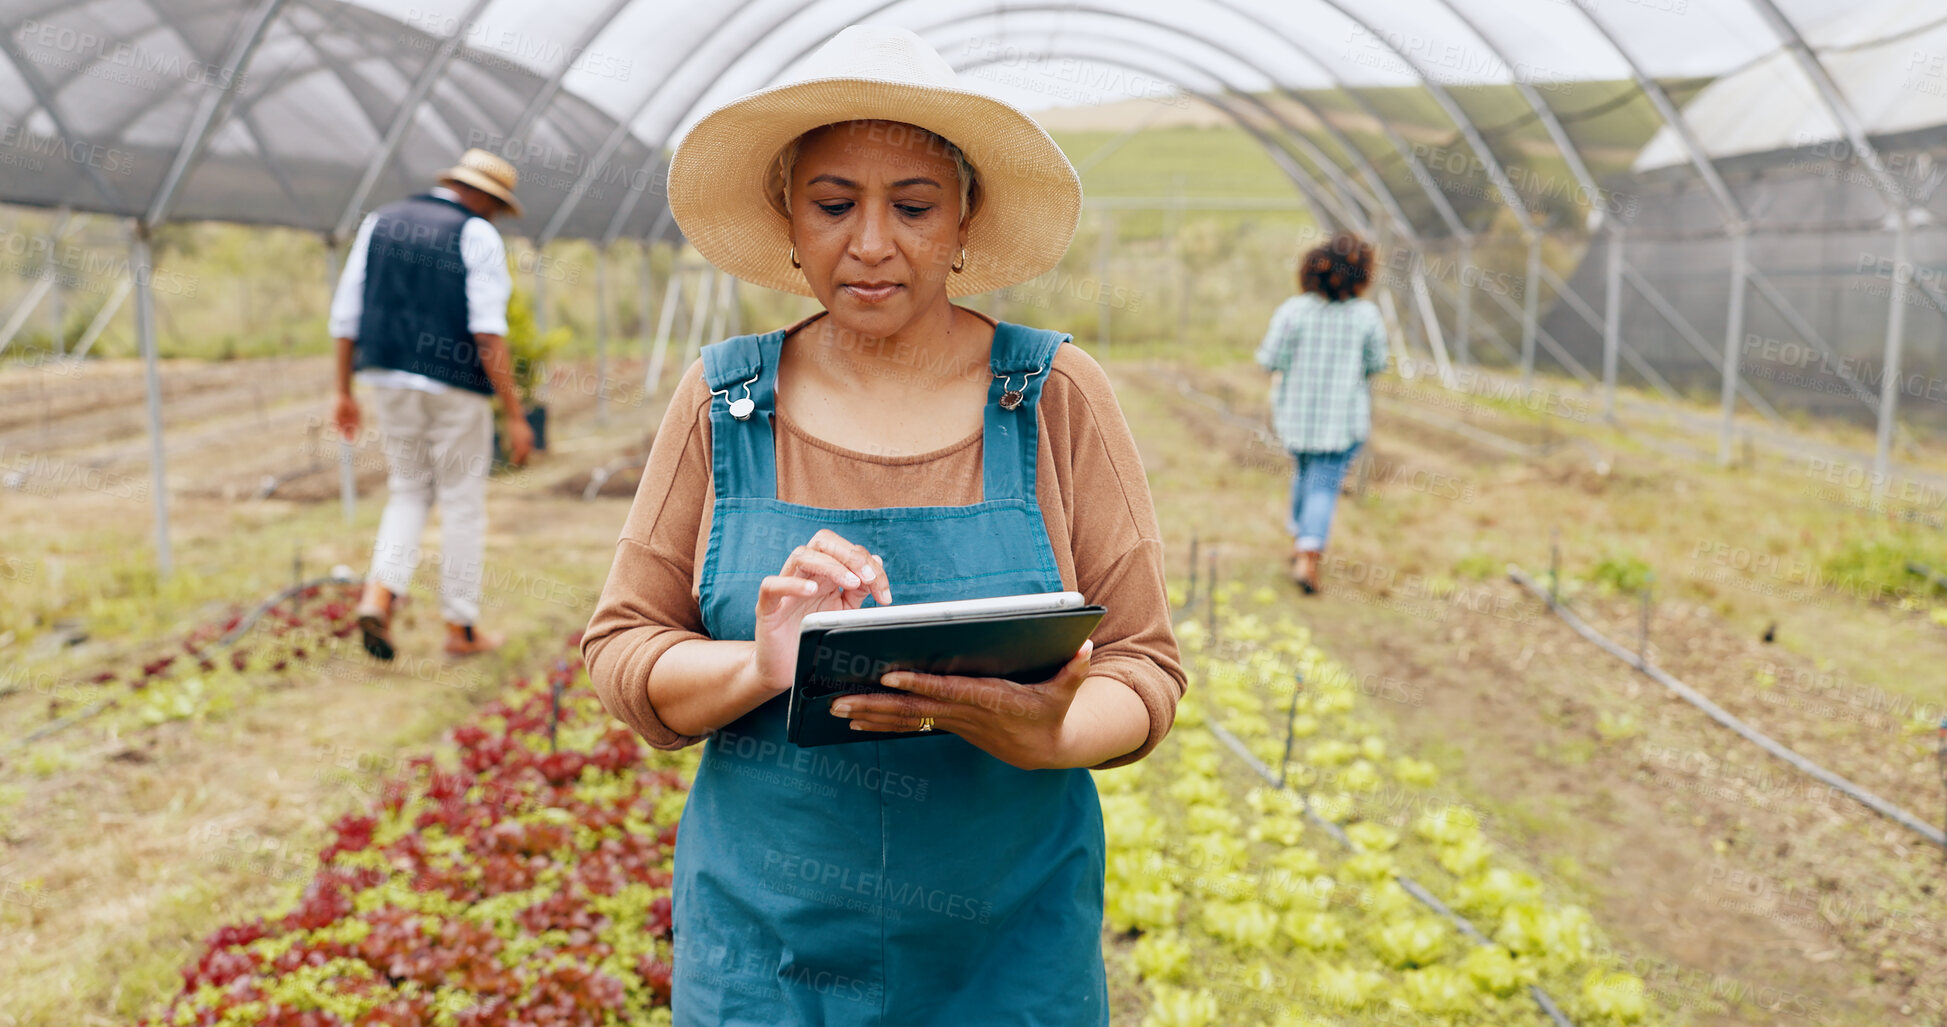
(1304, 570)
(375, 620)
(465, 640)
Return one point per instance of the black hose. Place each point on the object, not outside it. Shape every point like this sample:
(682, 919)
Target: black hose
(1412, 887)
(1724, 717)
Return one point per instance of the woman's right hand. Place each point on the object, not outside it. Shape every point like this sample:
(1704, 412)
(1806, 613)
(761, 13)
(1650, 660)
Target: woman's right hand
(826, 573)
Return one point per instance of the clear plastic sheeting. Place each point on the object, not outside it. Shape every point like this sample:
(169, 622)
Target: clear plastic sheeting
(1513, 147)
(101, 100)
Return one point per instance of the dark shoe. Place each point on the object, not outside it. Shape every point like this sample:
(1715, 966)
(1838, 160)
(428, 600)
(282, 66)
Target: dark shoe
(465, 640)
(375, 621)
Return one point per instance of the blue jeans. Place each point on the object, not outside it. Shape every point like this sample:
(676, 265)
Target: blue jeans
(1314, 492)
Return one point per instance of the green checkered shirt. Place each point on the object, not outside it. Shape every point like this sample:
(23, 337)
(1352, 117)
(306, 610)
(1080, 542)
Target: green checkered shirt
(1326, 351)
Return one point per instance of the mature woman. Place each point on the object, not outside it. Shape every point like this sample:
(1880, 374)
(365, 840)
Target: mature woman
(893, 448)
(1322, 346)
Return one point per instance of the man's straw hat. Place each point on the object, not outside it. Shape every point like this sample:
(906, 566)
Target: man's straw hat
(488, 173)
(721, 177)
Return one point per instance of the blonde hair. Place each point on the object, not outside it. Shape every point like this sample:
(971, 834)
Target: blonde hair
(779, 176)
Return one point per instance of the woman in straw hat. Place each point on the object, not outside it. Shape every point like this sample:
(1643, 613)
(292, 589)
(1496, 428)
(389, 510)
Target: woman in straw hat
(894, 447)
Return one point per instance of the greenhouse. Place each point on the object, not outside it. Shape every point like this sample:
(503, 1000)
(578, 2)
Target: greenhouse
(1613, 702)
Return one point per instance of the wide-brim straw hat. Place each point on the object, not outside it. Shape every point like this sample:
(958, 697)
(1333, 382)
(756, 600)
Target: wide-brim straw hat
(490, 174)
(720, 179)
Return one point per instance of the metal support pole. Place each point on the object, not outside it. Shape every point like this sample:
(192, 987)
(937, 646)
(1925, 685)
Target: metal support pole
(102, 317)
(347, 474)
(1530, 312)
(21, 312)
(55, 314)
(1173, 234)
(645, 302)
(1104, 250)
(653, 378)
(698, 312)
(1430, 320)
(1733, 337)
(540, 304)
(1464, 316)
(1889, 383)
(1395, 336)
(142, 272)
(720, 317)
(1612, 321)
(601, 338)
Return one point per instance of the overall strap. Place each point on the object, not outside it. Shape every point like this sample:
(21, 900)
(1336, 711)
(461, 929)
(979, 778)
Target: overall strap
(742, 375)
(1022, 359)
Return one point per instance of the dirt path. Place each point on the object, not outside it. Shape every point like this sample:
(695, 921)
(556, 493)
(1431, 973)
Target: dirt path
(1739, 893)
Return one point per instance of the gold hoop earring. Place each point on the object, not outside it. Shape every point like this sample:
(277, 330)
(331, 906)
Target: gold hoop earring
(960, 264)
(794, 256)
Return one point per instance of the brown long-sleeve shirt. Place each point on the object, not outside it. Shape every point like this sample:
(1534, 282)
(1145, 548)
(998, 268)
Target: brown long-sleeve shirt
(1089, 483)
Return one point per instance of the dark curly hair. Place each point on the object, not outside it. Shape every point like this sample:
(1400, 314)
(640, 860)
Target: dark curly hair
(1338, 270)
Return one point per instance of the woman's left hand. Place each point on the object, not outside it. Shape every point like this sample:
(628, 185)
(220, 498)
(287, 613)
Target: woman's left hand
(1020, 724)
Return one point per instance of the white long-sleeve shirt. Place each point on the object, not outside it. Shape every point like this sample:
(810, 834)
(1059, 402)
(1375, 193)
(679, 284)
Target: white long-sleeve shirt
(488, 287)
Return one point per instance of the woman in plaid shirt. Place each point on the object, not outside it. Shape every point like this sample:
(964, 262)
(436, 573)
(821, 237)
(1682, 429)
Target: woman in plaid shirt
(1322, 346)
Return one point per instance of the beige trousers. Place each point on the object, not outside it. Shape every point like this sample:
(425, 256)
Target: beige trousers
(438, 449)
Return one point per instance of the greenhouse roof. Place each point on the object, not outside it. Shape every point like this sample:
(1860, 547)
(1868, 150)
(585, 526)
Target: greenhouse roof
(1422, 116)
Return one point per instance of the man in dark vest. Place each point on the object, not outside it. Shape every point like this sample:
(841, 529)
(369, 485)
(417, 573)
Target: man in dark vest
(421, 314)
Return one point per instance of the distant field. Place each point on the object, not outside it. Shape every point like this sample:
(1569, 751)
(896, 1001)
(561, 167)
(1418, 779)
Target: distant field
(226, 291)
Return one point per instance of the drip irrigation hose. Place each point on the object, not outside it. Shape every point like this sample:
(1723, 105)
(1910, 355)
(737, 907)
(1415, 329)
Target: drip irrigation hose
(1933, 577)
(250, 620)
(1412, 887)
(1491, 440)
(273, 482)
(600, 476)
(1724, 717)
(59, 725)
(243, 625)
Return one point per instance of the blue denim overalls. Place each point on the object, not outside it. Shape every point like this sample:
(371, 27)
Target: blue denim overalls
(915, 881)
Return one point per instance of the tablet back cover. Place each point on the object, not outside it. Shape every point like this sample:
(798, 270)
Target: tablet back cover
(846, 661)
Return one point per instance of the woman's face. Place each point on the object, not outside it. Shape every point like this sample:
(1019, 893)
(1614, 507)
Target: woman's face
(875, 216)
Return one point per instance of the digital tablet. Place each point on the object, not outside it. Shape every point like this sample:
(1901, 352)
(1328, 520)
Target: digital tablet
(958, 609)
(1025, 638)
